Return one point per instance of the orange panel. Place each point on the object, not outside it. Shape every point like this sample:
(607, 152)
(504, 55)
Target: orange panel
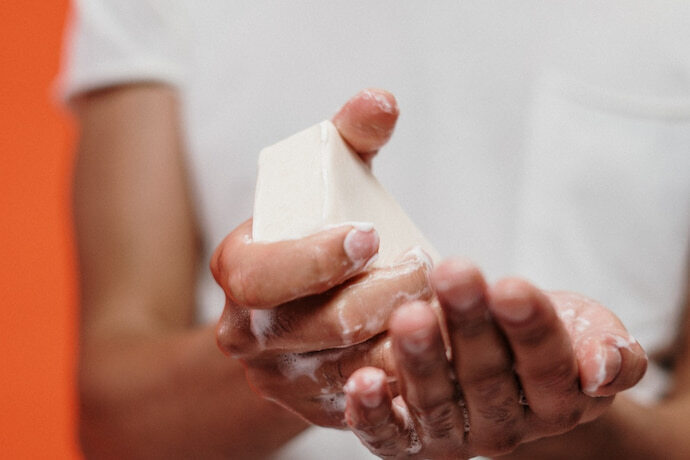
(37, 282)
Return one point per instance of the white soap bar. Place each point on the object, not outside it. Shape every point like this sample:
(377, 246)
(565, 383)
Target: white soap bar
(314, 179)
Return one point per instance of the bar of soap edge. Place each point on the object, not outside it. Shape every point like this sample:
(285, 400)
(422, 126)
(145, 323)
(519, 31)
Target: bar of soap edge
(313, 180)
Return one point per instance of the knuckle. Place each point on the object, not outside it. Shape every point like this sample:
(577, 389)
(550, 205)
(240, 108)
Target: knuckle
(501, 414)
(217, 262)
(281, 325)
(229, 344)
(488, 390)
(438, 422)
(381, 438)
(243, 285)
(533, 335)
(554, 378)
(384, 448)
(232, 340)
(237, 279)
(490, 383)
(384, 441)
(373, 433)
(320, 263)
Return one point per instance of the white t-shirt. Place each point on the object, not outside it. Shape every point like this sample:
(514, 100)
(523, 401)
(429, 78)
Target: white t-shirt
(545, 139)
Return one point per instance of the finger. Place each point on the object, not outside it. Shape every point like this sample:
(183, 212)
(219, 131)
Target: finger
(349, 314)
(609, 366)
(593, 362)
(424, 372)
(370, 415)
(482, 361)
(263, 275)
(598, 365)
(311, 384)
(377, 353)
(232, 331)
(367, 121)
(633, 367)
(320, 371)
(609, 359)
(543, 354)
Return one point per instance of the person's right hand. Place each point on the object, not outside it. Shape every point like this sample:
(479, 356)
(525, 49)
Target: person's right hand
(526, 364)
(303, 314)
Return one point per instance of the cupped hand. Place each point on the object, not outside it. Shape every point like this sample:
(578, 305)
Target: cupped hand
(303, 314)
(525, 364)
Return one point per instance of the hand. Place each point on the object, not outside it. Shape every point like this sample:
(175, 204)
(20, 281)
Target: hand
(525, 365)
(304, 314)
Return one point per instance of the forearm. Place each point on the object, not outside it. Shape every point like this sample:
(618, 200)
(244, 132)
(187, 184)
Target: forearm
(627, 430)
(175, 396)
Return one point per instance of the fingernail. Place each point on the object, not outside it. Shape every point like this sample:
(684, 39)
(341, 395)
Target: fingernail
(370, 390)
(610, 362)
(371, 400)
(613, 362)
(381, 101)
(520, 311)
(413, 326)
(514, 300)
(463, 300)
(416, 342)
(349, 387)
(460, 285)
(361, 245)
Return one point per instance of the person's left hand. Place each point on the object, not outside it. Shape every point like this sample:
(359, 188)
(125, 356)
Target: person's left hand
(303, 314)
(525, 364)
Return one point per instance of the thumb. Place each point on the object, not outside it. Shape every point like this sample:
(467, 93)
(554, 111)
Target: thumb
(367, 121)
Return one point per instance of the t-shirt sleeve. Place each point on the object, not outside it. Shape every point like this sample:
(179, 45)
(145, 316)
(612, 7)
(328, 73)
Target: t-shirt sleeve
(114, 42)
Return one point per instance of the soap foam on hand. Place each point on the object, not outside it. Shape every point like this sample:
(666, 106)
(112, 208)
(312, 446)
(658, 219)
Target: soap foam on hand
(314, 180)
